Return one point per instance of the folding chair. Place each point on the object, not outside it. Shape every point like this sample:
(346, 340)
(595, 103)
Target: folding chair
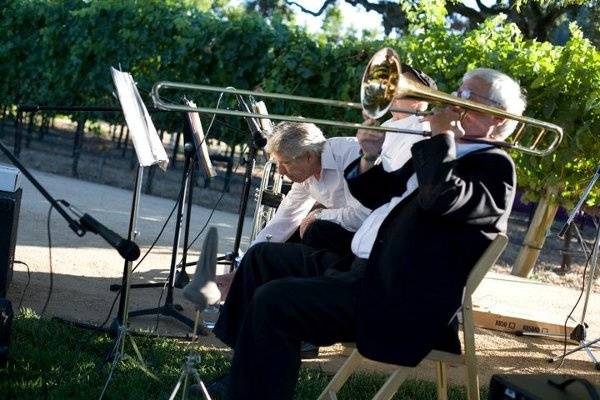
(442, 359)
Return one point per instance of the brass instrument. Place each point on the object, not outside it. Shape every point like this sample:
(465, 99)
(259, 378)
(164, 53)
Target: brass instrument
(268, 198)
(382, 82)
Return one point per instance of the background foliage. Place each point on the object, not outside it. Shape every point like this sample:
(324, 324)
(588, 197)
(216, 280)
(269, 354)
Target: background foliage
(59, 52)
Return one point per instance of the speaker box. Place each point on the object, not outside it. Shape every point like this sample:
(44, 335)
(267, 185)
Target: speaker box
(541, 387)
(6, 318)
(10, 203)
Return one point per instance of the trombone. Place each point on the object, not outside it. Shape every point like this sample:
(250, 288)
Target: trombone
(381, 84)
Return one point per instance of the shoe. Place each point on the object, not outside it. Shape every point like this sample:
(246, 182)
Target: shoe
(308, 351)
(219, 387)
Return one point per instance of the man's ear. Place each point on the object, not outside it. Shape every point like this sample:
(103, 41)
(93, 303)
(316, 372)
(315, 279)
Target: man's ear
(422, 106)
(499, 121)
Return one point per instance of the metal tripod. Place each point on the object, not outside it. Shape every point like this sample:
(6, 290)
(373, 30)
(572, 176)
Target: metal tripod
(119, 325)
(188, 370)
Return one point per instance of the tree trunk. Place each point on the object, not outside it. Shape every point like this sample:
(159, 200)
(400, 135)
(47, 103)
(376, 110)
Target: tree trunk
(125, 141)
(175, 150)
(18, 133)
(29, 129)
(3, 119)
(120, 140)
(77, 144)
(150, 179)
(565, 265)
(43, 127)
(536, 234)
(113, 133)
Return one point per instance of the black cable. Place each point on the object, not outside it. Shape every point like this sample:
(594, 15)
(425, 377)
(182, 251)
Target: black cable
(215, 206)
(49, 261)
(26, 285)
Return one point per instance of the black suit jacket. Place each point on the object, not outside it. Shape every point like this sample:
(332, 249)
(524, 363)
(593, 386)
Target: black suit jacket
(427, 245)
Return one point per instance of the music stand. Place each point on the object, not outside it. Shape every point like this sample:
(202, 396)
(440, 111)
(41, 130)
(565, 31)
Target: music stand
(149, 151)
(197, 152)
(579, 334)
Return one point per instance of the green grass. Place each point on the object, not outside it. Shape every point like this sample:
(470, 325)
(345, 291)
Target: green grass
(56, 361)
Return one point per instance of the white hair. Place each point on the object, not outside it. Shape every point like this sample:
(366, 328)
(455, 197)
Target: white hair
(292, 139)
(504, 91)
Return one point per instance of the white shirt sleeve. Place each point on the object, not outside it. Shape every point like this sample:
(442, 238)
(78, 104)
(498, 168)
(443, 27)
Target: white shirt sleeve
(293, 208)
(350, 217)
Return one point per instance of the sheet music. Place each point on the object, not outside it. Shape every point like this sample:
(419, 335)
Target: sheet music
(267, 126)
(147, 144)
(200, 142)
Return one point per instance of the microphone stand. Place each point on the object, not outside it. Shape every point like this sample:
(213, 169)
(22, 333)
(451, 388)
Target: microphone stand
(579, 334)
(127, 248)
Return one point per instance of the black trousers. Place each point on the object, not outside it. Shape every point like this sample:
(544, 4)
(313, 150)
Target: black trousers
(283, 294)
(329, 236)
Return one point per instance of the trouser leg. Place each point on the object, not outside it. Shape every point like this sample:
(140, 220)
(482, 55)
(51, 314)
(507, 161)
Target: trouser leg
(263, 263)
(329, 236)
(282, 314)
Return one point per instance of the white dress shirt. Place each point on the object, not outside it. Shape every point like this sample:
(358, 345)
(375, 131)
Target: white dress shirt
(395, 151)
(364, 238)
(330, 190)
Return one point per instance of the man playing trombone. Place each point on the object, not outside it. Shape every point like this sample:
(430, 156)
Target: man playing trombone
(431, 220)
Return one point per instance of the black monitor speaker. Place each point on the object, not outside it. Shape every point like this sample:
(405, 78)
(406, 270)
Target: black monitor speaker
(10, 203)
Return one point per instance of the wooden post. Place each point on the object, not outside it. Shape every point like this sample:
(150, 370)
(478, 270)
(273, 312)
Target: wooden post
(536, 234)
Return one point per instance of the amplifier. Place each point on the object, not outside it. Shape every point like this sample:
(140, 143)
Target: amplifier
(6, 317)
(10, 203)
(541, 387)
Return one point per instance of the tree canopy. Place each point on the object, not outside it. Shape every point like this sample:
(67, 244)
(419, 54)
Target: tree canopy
(537, 19)
(60, 52)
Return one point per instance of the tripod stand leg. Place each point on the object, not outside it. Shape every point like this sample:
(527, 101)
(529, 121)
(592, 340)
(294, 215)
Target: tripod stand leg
(182, 376)
(584, 345)
(141, 360)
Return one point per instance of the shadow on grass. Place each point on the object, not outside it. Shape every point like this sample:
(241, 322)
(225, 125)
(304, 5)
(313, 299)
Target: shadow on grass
(56, 361)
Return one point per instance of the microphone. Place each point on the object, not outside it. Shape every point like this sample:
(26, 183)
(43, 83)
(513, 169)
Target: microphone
(202, 289)
(126, 248)
(259, 138)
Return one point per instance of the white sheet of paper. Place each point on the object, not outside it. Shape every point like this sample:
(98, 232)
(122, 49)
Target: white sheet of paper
(147, 144)
(200, 142)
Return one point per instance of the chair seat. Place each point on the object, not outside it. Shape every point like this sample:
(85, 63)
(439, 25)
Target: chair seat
(445, 357)
(434, 355)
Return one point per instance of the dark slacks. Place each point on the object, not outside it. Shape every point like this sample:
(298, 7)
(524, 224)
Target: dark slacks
(329, 236)
(283, 294)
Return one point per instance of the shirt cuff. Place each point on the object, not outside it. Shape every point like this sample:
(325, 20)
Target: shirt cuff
(329, 215)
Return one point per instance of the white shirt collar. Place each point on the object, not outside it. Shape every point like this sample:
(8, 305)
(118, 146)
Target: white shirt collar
(327, 158)
(463, 149)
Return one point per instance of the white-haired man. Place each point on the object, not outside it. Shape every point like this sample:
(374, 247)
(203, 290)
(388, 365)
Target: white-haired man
(431, 220)
(316, 167)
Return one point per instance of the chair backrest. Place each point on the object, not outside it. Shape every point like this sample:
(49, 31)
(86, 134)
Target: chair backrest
(485, 262)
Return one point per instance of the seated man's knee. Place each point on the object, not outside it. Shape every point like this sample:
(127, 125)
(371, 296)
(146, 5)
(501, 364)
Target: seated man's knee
(270, 298)
(315, 233)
